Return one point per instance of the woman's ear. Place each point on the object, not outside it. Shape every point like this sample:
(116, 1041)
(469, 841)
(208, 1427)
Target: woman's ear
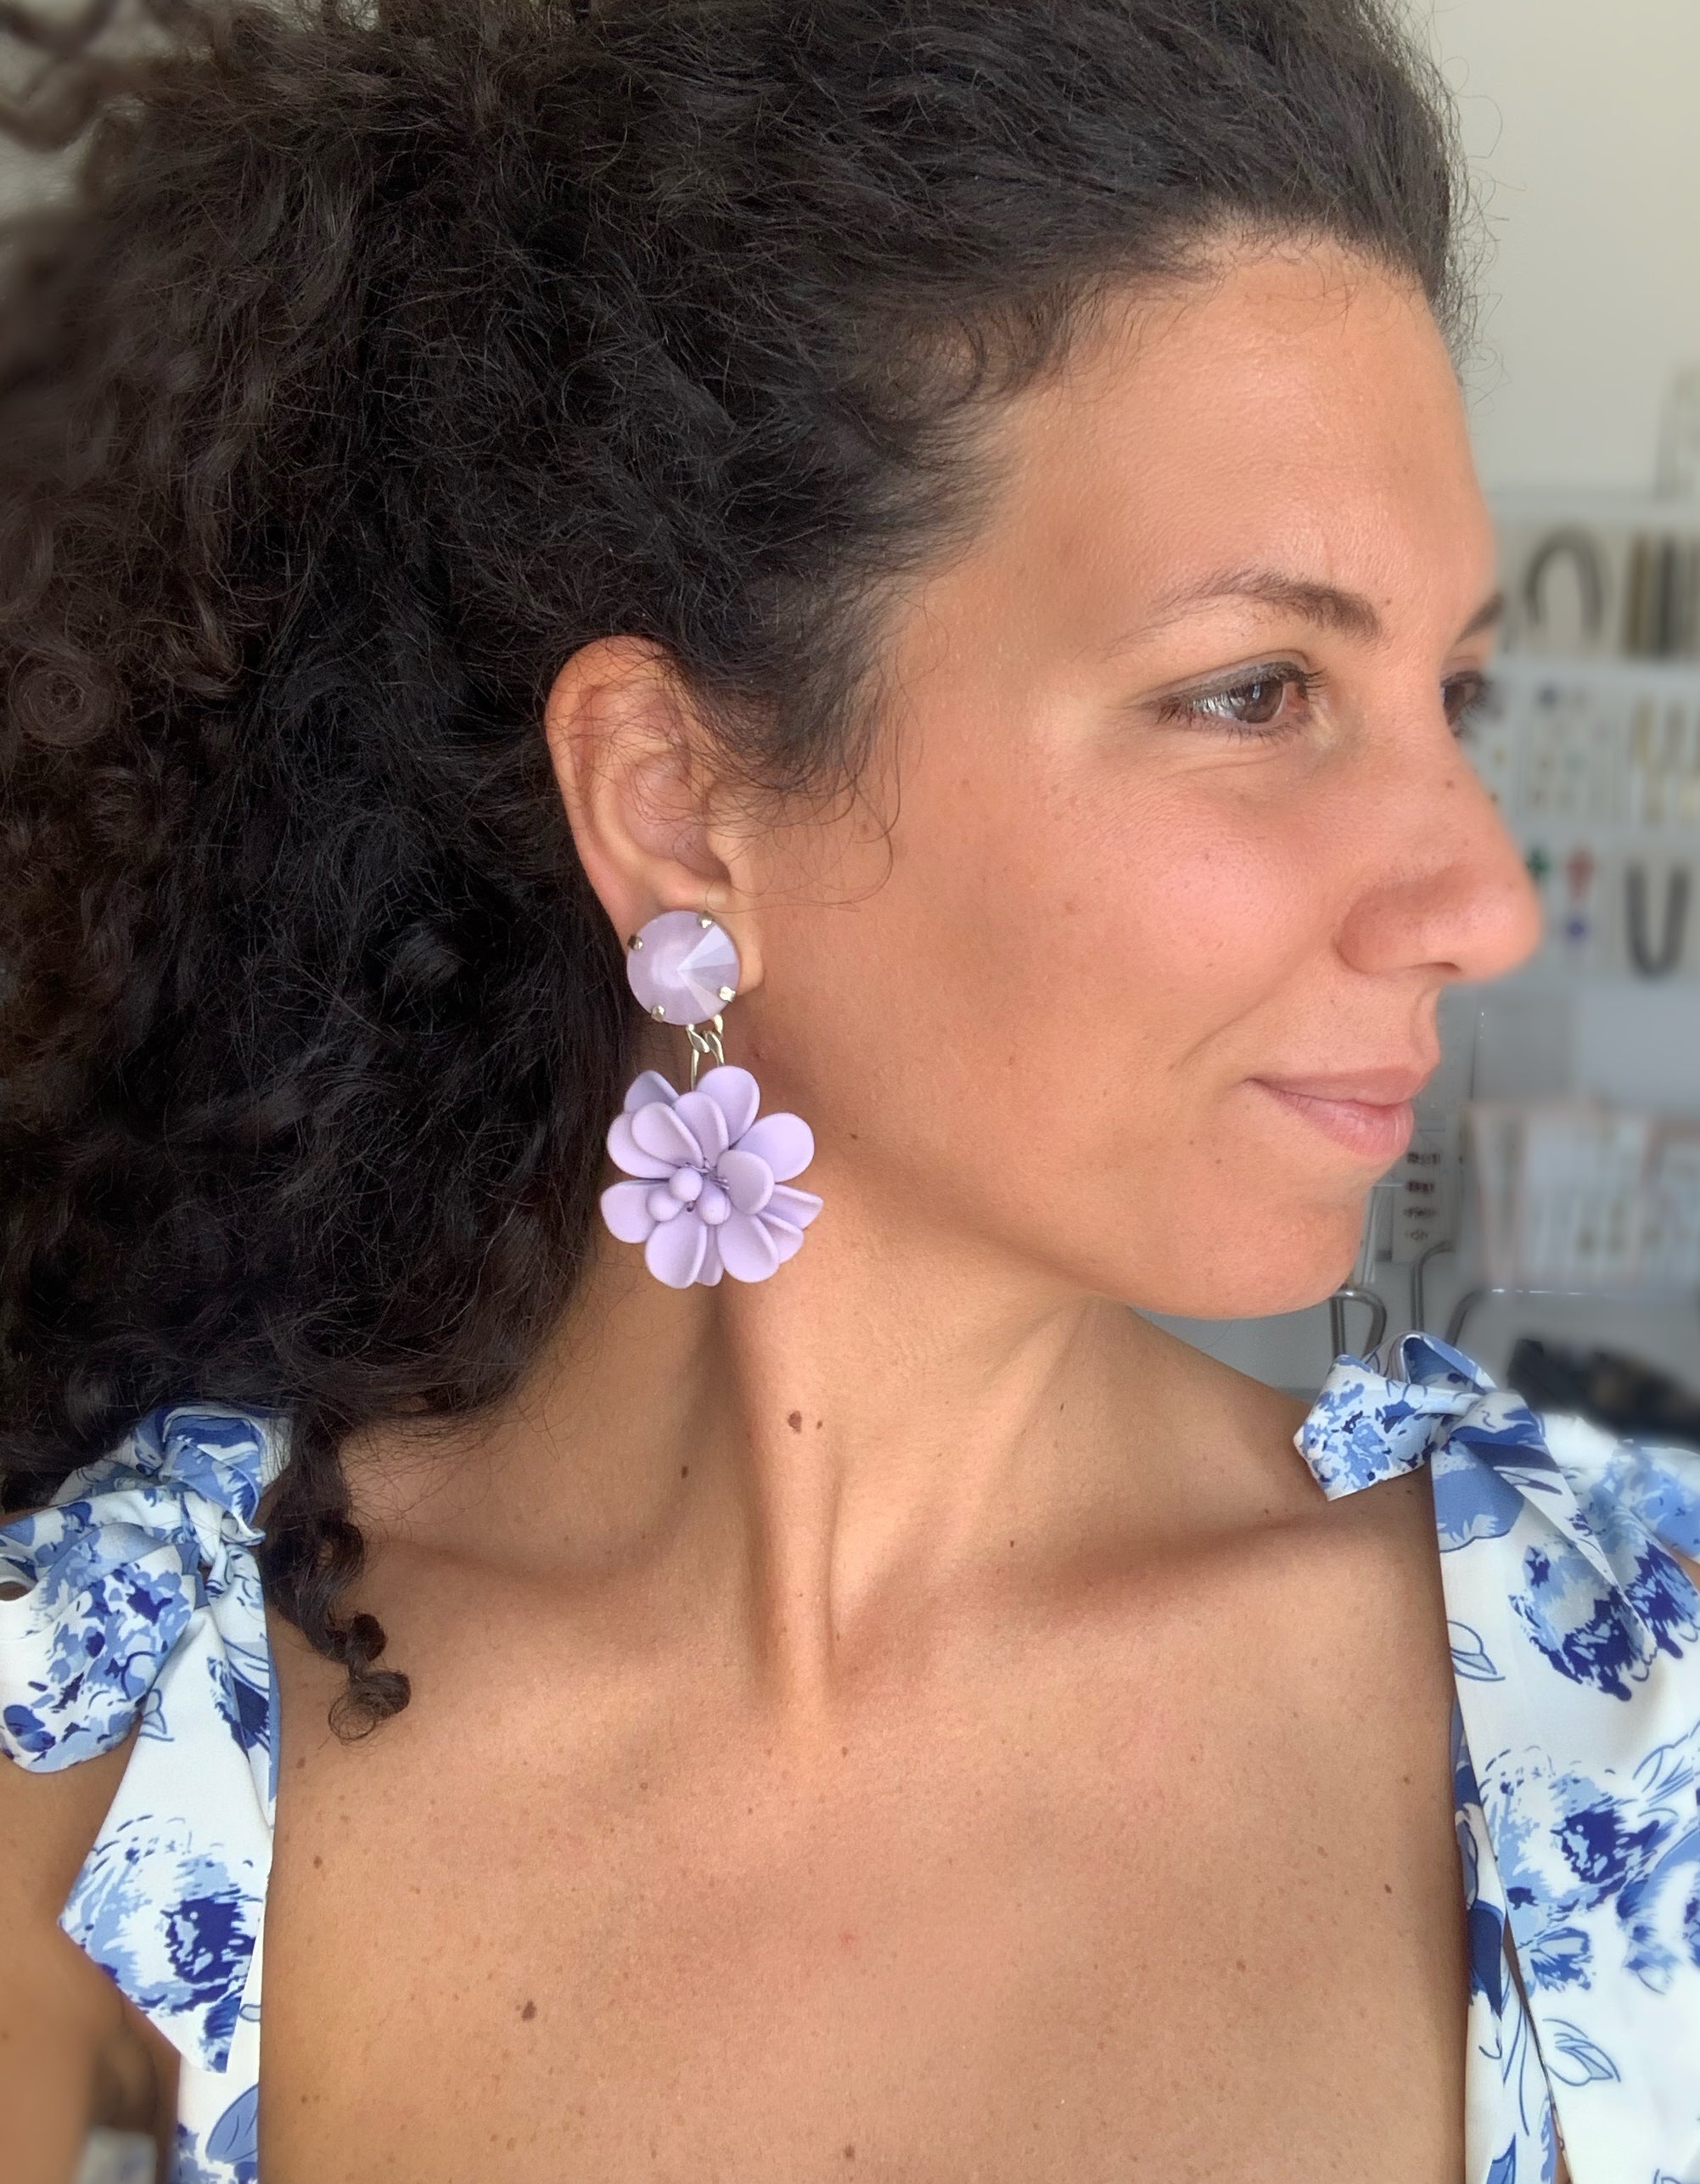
(635, 769)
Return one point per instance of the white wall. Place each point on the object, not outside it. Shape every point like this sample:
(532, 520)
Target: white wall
(1582, 118)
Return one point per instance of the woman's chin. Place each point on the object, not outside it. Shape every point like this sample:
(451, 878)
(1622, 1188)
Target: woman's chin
(1259, 1269)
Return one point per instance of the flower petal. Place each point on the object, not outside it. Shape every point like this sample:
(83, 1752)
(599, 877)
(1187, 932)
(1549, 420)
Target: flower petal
(706, 1119)
(626, 1214)
(784, 1142)
(674, 1254)
(787, 1238)
(736, 1093)
(657, 1130)
(647, 1087)
(747, 1178)
(800, 1207)
(624, 1152)
(746, 1251)
(662, 1204)
(713, 1206)
(711, 1269)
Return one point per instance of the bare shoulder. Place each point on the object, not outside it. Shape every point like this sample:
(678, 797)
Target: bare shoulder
(71, 2051)
(1236, 1441)
(1339, 1603)
(1332, 1608)
(47, 1822)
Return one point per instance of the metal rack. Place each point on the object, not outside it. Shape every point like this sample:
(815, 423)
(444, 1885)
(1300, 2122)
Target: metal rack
(1353, 1292)
(1459, 1316)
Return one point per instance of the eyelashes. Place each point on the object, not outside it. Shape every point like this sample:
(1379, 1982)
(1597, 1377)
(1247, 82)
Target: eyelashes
(1466, 695)
(1256, 703)
(1273, 700)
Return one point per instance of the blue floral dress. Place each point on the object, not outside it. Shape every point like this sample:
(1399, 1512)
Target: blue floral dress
(1575, 1744)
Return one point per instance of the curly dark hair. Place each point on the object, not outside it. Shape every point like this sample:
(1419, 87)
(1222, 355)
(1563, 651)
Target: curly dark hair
(367, 359)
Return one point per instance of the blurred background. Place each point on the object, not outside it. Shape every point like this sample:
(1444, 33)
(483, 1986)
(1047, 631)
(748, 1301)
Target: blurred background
(1548, 1215)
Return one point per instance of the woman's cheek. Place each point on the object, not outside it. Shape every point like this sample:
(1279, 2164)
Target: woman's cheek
(1223, 909)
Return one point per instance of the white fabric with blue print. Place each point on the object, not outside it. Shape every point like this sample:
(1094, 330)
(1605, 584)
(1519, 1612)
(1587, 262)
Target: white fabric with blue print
(141, 1608)
(1576, 1758)
(1576, 1750)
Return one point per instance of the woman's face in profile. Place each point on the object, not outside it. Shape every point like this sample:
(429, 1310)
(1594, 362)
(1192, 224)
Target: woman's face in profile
(1178, 847)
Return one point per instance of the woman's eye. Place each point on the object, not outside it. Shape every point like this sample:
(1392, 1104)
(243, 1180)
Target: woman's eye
(1253, 705)
(1261, 699)
(1464, 695)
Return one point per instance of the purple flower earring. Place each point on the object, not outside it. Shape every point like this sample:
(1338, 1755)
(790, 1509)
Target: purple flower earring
(710, 1193)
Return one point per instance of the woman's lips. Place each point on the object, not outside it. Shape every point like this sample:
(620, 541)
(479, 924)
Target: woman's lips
(1373, 1128)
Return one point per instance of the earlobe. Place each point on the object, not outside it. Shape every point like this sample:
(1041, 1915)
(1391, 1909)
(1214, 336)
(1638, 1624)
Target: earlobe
(633, 772)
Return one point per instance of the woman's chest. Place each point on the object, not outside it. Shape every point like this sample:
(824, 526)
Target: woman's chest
(1177, 1920)
(1280, 2003)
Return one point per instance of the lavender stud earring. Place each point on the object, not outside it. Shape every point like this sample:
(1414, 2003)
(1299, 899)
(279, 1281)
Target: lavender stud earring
(711, 1190)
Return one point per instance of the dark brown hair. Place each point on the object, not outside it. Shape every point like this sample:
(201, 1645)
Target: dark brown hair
(376, 357)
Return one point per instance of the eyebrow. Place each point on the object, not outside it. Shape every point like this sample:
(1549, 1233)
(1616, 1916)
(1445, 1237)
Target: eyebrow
(1324, 604)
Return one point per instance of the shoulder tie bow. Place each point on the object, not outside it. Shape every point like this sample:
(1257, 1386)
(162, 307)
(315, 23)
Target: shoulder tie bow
(133, 1602)
(1576, 1648)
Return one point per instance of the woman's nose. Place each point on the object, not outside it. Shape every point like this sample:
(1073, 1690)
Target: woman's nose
(1450, 895)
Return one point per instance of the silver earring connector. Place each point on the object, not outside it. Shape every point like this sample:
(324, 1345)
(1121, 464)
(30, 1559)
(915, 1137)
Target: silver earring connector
(705, 1043)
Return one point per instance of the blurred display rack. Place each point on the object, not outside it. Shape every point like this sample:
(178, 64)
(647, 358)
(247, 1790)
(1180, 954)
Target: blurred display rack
(1468, 1302)
(1597, 723)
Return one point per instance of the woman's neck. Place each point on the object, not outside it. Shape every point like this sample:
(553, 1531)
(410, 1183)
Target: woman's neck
(821, 1465)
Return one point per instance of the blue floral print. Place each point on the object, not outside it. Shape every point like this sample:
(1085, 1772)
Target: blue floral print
(1575, 1644)
(1576, 1755)
(140, 1608)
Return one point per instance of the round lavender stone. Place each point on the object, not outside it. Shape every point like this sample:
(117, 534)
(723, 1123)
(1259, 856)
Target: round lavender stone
(679, 972)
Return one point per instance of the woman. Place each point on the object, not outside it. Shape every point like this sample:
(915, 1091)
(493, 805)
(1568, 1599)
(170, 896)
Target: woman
(952, 525)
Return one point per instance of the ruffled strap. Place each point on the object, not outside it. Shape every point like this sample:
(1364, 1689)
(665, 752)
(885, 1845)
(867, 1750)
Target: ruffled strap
(133, 1602)
(1576, 1648)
